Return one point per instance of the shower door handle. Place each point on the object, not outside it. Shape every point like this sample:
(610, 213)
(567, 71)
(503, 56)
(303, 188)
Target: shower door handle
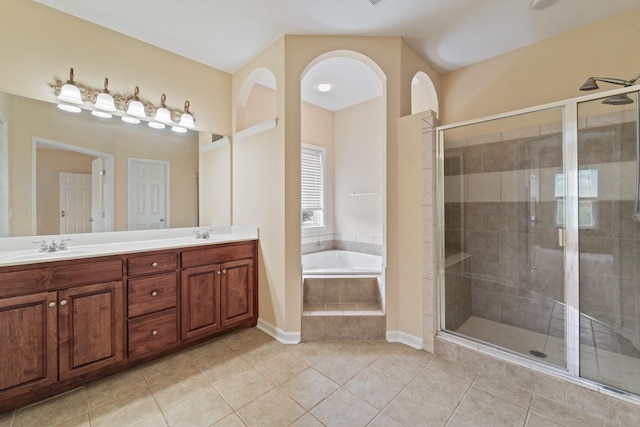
(562, 237)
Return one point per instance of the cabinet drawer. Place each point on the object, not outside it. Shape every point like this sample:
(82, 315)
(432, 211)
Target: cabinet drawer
(217, 254)
(153, 333)
(152, 263)
(152, 293)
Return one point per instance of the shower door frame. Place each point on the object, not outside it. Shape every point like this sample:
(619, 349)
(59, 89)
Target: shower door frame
(571, 238)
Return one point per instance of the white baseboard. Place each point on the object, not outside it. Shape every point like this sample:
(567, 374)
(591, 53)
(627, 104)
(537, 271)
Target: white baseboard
(406, 339)
(279, 334)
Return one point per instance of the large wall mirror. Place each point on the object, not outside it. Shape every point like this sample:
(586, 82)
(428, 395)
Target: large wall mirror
(65, 173)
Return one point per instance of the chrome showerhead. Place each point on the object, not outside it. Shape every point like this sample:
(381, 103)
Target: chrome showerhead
(590, 83)
(621, 99)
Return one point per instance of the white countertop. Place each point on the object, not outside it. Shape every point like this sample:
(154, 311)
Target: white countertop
(23, 250)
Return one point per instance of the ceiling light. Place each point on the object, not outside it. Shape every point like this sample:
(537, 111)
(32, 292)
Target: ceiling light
(186, 119)
(541, 4)
(162, 114)
(70, 92)
(324, 87)
(104, 100)
(136, 108)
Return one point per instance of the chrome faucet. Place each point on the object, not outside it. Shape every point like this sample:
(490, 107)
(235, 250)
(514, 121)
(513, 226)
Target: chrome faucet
(202, 235)
(53, 246)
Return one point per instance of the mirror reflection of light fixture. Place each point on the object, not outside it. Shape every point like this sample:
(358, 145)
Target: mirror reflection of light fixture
(186, 119)
(136, 108)
(162, 114)
(156, 125)
(131, 120)
(178, 129)
(69, 108)
(70, 92)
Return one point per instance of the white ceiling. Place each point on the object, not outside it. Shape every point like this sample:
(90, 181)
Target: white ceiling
(449, 34)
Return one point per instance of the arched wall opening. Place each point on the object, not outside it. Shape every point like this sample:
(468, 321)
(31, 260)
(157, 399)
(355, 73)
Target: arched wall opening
(257, 100)
(423, 94)
(346, 126)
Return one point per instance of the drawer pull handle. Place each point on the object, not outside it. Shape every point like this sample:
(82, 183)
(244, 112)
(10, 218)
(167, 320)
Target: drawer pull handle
(63, 302)
(154, 264)
(154, 293)
(52, 304)
(154, 333)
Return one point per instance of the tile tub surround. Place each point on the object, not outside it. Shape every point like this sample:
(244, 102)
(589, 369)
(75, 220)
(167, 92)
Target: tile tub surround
(239, 379)
(324, 243)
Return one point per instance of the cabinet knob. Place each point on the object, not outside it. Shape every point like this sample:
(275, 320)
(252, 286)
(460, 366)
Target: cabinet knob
(52, 304)
(154, 333)
(224, 271)
(154, 264)
(63, 302)
(154, 293)
(218, 272)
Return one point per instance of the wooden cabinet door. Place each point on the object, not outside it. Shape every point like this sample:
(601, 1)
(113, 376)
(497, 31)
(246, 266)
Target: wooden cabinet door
(200, 301)
(91, 328)
(28, 343)
(236, 291)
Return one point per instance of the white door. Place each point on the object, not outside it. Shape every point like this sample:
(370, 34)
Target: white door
(97, 196)
(75, 203)
(148, 194)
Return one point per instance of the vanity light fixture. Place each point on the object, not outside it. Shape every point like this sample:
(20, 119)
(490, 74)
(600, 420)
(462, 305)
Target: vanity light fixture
(70, 92)
(104, 100)
(130, 108)
(186, 119)
(136, 108)
(162, 114)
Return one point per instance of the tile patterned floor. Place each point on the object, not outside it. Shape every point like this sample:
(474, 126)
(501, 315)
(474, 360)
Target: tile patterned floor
(246, 378)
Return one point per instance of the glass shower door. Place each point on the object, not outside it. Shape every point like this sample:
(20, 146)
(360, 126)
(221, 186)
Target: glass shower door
(609, 241)
(504, 207)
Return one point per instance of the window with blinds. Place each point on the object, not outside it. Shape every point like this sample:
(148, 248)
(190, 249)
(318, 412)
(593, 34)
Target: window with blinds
(312, 173)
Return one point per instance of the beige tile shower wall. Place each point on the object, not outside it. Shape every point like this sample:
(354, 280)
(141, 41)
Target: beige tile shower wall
(429, 324)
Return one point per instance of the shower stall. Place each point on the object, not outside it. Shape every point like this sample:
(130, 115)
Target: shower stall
(539, 224)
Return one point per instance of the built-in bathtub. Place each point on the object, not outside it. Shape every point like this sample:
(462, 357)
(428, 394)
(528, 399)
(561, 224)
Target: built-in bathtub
(338, 262)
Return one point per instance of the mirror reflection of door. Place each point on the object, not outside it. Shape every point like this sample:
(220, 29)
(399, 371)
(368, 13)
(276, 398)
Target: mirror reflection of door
(75, 203)
(148, 192)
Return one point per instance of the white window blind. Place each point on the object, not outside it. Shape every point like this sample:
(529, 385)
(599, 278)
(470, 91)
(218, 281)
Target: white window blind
(312, 179)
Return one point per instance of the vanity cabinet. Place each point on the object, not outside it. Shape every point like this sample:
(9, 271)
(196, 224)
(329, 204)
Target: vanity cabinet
(217, 289)
(65, 323)
(68, 331)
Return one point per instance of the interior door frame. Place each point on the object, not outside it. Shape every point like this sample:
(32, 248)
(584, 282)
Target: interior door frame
(108, 162)
(167, 188)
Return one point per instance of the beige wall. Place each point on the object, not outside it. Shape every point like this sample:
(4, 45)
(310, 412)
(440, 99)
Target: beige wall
(279, 214)
(543, 72)
(32, 118)
(360, 167)
(317, 128)
(214, 181)
(40, 44)
(50, 163)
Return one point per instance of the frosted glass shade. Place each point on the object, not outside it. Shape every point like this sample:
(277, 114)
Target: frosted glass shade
(105, 102)
(69, 108)
(70, 93)
(163, 116)
(136, 109)
(131, 120)
(156, 125)
(186, 120)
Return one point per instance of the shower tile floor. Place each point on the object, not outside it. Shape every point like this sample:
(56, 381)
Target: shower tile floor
(246, 378)
(598, 364)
